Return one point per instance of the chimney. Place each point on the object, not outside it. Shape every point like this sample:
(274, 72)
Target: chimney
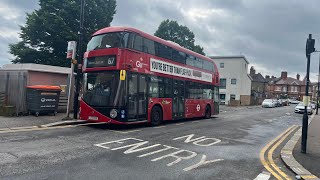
(298, 77)
(284, 75)
(252, 71)
(267, 77)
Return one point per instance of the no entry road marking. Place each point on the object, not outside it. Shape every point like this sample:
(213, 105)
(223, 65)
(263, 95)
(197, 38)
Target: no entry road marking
(134, 145)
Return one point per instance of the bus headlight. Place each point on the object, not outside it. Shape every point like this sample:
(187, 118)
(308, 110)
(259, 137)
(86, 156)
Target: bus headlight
(113, 113)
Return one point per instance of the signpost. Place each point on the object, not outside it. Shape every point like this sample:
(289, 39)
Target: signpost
(71, 55)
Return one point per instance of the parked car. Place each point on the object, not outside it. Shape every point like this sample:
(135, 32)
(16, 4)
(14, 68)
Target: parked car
(313, 105)
(294, 101)
(300, 108)
(280, 102)
(277, 103)
(285, 102)
(268, 103)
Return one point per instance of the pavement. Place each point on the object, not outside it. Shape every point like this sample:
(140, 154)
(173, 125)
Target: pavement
(305, 166)
(30, 121)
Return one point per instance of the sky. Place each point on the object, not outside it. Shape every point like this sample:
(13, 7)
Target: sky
(270, 33)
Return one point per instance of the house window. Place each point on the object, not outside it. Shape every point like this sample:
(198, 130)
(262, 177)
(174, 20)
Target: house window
(295, 89)
(233, 81)
(278, 88)
(221, 65)
(222, 97)
(284, 89)
(223, 83)
(232, 97)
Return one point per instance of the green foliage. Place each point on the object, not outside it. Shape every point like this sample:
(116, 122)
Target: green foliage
(47, 30)
(172, 31)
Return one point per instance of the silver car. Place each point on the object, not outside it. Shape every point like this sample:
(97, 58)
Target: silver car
(268, 103)
(300, 108)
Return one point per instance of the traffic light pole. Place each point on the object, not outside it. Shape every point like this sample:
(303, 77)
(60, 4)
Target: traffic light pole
(309, 49)
(305, 114)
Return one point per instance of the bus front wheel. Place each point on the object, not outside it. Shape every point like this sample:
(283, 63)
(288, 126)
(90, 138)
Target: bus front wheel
(156, 116)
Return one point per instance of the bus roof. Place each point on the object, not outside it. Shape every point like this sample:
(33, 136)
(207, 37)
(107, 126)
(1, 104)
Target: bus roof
(151, 37)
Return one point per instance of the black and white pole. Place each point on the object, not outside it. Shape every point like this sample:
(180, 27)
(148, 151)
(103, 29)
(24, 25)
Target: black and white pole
(71, 54)
(309, 49)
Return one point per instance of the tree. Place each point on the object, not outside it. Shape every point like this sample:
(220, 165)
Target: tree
(47, 30)
(172, 31)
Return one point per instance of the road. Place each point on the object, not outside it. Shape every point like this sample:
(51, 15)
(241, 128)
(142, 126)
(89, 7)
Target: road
(225, 147)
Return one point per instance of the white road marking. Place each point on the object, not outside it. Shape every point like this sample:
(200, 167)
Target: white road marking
(189, 138)
(141, 145)
(135, 147)
(155, 152)
(178, 124)
(197, 141)
(203, 161)
(116, 141)
(263, 176)
(178, 158)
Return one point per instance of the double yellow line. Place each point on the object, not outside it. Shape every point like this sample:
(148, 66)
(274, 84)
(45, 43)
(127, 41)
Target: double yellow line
(269, 164)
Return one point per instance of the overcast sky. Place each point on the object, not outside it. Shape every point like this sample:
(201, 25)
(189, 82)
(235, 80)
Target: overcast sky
(270, 33)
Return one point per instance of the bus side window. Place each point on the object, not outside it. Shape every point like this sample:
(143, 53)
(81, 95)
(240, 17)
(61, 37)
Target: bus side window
(148, 46)
(164, 51)
(190, 60)
(137, 45)
(178, 56)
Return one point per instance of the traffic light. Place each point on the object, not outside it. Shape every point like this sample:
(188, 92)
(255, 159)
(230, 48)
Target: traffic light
(310, 45)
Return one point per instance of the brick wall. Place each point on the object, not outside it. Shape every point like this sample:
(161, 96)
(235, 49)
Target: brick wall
(43, 78)
(245, 100)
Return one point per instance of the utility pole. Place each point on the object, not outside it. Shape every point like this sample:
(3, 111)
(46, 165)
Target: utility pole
(79, 69)
(309, 49)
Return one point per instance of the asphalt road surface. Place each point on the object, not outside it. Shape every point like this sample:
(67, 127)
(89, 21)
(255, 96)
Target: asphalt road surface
(225, 147)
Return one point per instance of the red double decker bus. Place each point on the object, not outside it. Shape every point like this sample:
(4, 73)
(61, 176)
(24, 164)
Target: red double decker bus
(133, 77)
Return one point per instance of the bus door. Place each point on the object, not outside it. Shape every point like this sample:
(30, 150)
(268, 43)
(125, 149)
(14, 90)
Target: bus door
(137, 97)
(178, 99)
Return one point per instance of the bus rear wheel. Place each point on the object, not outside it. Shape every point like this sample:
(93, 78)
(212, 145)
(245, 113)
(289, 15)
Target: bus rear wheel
(208, 112)
(156, 116)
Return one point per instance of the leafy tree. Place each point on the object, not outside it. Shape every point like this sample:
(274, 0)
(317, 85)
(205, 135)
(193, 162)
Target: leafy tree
(47, 30)
(172, 31)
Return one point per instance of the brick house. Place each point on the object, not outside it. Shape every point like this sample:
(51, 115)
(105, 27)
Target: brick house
(288, 87)
(258, 84)
(258, 87)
